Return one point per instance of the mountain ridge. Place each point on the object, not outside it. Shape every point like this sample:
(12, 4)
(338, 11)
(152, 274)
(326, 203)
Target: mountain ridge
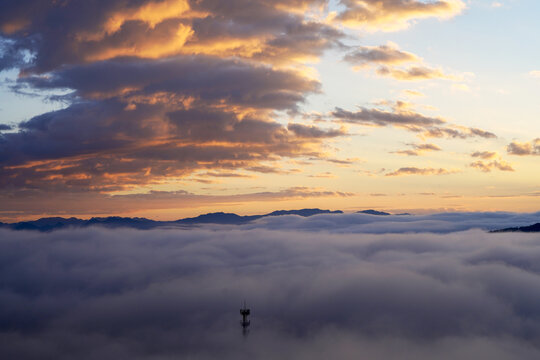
(529, 228)
(54, 223)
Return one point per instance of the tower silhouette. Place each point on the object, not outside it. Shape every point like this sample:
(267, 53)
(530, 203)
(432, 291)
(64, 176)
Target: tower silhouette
(245, 312)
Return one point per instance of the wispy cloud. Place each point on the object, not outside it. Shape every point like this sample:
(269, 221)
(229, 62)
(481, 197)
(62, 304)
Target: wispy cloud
(402, 115)
(418, 149)
(486, 155)
(389, 61)
(413, 93)
(420, 171)
(414, 73)
(487, 166)
(385, 54)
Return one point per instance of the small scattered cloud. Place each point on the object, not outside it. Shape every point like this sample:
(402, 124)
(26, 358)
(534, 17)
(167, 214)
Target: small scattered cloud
(524, 148)
(458, 132)
(420, 171)
(487, 166)
(389, 60)
(418, 149)
(324, 175)
(401, 114)
(225, 174)
(414, 73)
(486, 155)
(384, 54)
(413, 93)
(535, 74)
(341, 162)
(312, 131)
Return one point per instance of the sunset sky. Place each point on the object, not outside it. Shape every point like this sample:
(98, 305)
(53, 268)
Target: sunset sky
(172, 108)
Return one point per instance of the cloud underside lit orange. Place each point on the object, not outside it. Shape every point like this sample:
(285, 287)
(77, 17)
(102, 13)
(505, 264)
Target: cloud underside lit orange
(396, 15)
(167, 92)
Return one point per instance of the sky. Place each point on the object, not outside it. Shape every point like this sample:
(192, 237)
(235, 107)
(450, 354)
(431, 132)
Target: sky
(172, 108)
(343, 286)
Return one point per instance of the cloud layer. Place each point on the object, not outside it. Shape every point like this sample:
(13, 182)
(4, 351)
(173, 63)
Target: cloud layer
(108, 294)
(158, 89)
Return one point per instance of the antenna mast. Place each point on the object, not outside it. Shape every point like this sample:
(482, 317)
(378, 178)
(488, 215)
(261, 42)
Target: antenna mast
(244, 311)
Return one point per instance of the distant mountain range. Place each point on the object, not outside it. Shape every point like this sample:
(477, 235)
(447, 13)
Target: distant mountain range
(530, 228)
(54, 223)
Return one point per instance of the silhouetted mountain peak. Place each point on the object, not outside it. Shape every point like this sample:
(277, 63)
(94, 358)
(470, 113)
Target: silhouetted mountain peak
(53, 223)
(303, 212)
(217, 218)
(530, 228)
(373, 212)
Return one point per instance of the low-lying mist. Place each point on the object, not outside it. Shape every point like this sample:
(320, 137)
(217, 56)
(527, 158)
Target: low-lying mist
(175, 294)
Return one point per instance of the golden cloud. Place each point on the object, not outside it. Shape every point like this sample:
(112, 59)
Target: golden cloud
(391, 15)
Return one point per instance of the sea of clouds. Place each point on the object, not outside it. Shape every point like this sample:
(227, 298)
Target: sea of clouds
(324, 287)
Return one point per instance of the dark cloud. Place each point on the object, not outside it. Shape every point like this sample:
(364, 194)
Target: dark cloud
(11, 55)
(481, 133)
(311, 131)
(459, 132)
(74, 33)
(379, 117)
(5, 127)
(402, 115)
(159, 88)
(109, 294)
(208, 80)
(527, 148)
(101, 145)
(383, 54)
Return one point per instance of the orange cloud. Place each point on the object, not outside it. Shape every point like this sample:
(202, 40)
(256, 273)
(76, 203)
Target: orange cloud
(420, 171)
(388, 58)
(391, 15)
(524, 148)
(486, 155)
(36, 202)
(488, 166)
(418, 149)
(414, 73)
(153, 13)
